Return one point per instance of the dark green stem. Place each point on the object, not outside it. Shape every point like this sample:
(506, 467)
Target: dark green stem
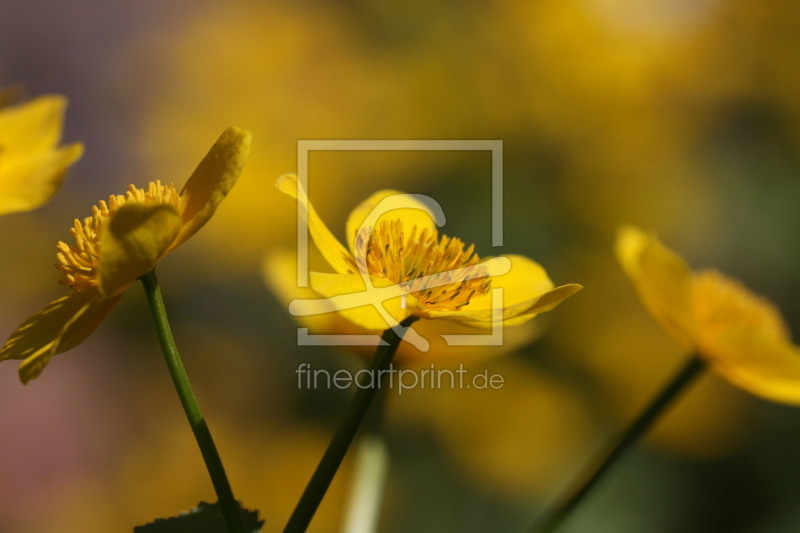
(348, 427)
(635, 431)
(230, 508)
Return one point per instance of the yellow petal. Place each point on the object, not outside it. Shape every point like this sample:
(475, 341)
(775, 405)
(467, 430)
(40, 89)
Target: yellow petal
(33, 126)
(30, 181)
(347, 294)
(512, 315)
(136, 237)
(395, 205)
(279, 271)
(760, 364)
(524, 280)
(330, 247)
(59, 327)
(213, 179)
(662, 279)
(527, 291)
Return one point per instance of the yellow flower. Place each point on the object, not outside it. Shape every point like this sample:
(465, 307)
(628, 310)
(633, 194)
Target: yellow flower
(394, 245)
(123, 240)
(32, 165)
(741, 336)
(280, 275)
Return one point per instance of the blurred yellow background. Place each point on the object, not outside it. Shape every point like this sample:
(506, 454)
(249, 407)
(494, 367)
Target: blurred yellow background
(681, 116)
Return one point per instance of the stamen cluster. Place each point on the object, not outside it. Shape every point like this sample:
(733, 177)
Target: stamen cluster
(439, 273)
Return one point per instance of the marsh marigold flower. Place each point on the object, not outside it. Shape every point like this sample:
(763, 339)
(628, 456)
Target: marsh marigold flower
(32, 165)
(280, 275)
(414, 271)
(740, 335)
(123, 240)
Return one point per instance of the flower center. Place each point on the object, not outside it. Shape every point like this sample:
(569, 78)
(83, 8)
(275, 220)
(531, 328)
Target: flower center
(79, 263)
(439, 273)
(720, 302)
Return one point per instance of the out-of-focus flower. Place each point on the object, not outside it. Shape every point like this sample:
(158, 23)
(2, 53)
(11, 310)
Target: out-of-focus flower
(625, 355)
(123, 240)
(32, 165)
(394, 244)
(742, 336)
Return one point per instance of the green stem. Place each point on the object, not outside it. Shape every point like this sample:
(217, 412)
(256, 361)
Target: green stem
(230, 508)
(635, 431)
(348, 427)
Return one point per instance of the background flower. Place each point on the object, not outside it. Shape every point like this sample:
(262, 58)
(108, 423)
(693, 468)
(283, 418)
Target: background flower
(32, 165)
(675, 115)
(740, 335)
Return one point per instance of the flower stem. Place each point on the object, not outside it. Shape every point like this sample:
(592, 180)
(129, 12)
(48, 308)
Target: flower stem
(230, 508)
(628, 438)
(348, 427)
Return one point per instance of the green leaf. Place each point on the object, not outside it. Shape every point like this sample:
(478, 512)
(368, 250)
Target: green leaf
(205, 518)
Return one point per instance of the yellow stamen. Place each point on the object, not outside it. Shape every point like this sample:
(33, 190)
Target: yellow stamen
(79, 263)
(385, 252)
(721, 302)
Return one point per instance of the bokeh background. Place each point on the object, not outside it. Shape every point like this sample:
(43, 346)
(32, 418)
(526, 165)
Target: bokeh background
(680, 116)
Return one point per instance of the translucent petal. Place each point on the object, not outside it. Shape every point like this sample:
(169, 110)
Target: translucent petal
(512, 315)
(525, 279)
(59, 327)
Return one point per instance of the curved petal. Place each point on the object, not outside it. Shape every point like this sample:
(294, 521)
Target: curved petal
(33, 126)
(526, 291)
(133, 241)
(29, 182)
(213, 179)
(525, 279)
(662, 279)
(347, 294)
(760, 364)
(512, 315)
(398, 205)
(59, 327)
(330, 247)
